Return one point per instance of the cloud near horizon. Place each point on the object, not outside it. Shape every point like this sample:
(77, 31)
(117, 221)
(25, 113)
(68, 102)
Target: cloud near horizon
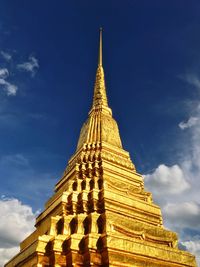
(15, 218)
(185, 214)
(176, 188)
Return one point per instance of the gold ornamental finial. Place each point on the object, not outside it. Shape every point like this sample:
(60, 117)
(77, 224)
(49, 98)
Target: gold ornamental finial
(100, 98)
(100, 126)
(100, 47)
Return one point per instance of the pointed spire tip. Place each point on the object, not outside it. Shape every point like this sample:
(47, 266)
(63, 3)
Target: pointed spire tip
(100, 47)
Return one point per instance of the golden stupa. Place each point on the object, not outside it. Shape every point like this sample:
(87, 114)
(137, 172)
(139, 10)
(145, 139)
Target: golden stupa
(100, 213)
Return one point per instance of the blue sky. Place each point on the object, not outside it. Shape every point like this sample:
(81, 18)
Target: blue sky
(151, 55)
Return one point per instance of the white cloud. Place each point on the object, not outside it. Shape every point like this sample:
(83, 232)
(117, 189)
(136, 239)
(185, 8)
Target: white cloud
(176, 189)
(6, 56)
(4, 73)
(192, 79)
(7, 253)
(192, 121)
(167, 180)
(30, 66)
(194, 246)
(186, 214)
(14, 215)
(16, 218)
(8, 87)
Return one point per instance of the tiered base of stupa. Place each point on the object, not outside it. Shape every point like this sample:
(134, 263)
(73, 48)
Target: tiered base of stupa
(101, 215)
(117, 247)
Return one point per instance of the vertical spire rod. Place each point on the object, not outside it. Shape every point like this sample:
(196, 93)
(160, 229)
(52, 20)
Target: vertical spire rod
(100, 47)
(100, 98)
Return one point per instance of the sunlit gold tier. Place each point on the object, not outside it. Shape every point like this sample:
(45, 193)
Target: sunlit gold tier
(100, 213)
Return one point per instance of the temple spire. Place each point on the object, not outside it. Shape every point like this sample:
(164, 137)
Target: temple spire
(100, 126)
(100, 98)
(100, 47)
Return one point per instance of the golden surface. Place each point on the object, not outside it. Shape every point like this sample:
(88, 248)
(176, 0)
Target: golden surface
(100, 213)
